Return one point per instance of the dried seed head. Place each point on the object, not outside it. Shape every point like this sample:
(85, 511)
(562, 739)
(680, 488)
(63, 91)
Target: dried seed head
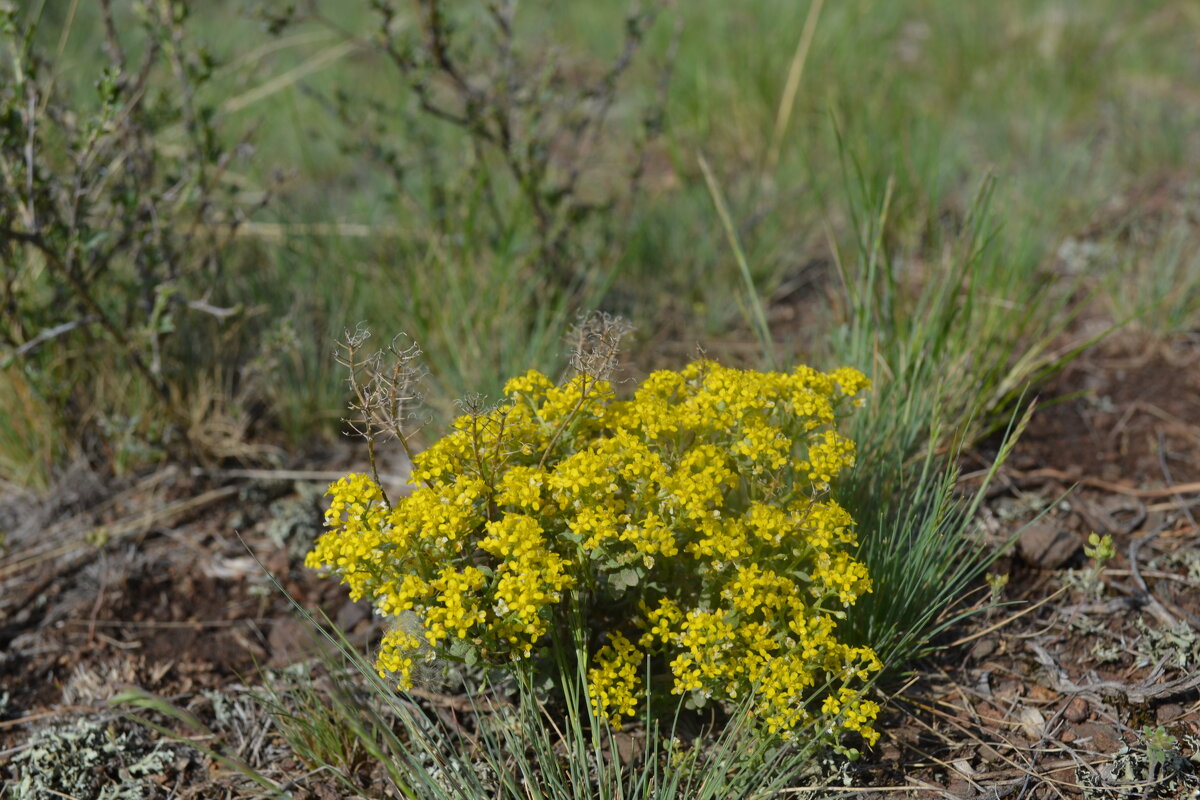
(383, 383)
(596, 344)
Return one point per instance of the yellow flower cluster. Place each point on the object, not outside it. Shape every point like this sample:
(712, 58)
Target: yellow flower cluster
(457, 610)
(691, 524)
(530, 578)
(614, 682)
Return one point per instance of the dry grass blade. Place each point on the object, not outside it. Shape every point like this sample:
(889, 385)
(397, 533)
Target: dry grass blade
(280, 82)
(758, 316)
(795, 72)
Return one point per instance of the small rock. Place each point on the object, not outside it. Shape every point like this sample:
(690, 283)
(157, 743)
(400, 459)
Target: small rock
(1104, 738)
(1046, 545)
(1031, 722)
(350, 614)
(1077, 710)
(1168, 713)
(982, 649)
(629, 746)
(888, 752)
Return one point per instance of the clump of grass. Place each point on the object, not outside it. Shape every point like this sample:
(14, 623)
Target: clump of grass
(954, 348)
(1155, 280)
(509, 743)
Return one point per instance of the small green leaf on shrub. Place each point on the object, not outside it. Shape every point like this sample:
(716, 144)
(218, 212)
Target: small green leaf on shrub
(624, 579)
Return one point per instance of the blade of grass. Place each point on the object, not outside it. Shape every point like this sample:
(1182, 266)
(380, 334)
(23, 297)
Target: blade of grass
(758, 315)
(280, 82)
(795, 72)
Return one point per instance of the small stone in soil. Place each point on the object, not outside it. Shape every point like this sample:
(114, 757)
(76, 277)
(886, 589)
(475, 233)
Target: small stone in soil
(1166, 714)
(1104, 738)
(982, 649)
(1046, 545)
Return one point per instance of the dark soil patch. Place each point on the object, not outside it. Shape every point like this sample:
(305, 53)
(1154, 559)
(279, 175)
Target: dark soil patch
(1127, 411)
(156, 585)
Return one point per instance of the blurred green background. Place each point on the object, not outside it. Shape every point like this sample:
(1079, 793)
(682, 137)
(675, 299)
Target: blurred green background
(937, 190)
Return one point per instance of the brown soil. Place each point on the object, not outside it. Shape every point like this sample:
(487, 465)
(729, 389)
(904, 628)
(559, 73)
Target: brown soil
(155, 584)
(1056, 701)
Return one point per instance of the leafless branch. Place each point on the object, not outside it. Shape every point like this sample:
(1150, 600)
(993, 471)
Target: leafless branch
(52, 333)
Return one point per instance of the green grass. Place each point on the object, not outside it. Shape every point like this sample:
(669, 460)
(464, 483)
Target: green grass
(347, 726)
(1050, 99)
(1151, 271)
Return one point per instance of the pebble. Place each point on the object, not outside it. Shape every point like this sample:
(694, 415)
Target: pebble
(1103, 738)
(1046, 545)
(1168, 713)
(982, 649)
(1077, 710)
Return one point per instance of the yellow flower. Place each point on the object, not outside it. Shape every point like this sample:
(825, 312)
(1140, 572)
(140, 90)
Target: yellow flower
(521, 487)
(614, 681)
(704, 500)
(397, 653)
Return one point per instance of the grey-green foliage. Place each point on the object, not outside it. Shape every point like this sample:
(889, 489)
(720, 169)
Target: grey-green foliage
(1175, 645)
(949, 367)
(92, 759)
(296, 521)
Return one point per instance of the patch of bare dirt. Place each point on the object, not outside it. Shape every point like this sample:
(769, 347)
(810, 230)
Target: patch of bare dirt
(163, 584)
(1088, 685)
(1127, 411)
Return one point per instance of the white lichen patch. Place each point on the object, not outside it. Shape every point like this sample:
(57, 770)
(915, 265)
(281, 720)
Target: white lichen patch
(94, 760)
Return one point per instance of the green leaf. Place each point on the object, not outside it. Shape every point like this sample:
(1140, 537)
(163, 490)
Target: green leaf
(95, 240)
(624, 579)
(464, 651)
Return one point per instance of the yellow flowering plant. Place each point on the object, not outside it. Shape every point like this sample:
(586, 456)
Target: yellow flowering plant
(691, 525)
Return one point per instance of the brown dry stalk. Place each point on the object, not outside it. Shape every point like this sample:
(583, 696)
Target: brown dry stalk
(1110, 486)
